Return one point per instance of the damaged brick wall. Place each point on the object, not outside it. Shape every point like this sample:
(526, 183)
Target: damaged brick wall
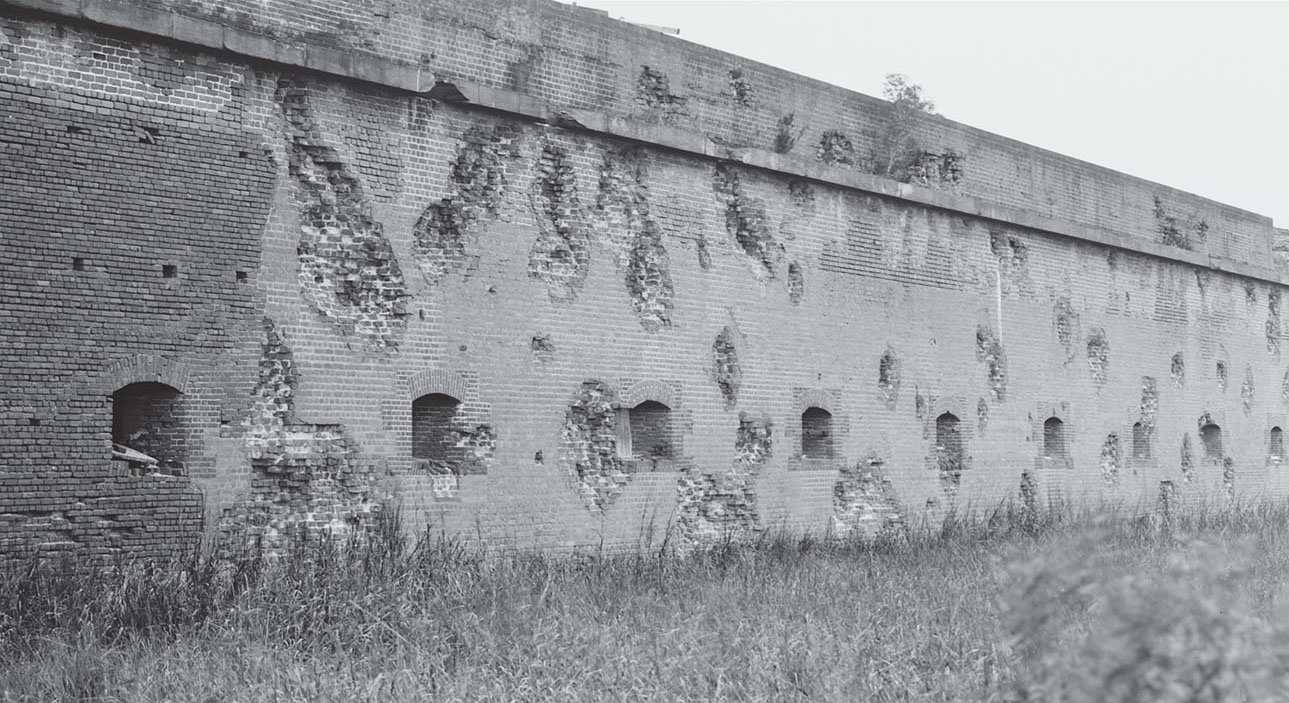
(990, 351)
(1111, 460)
(478, 182)
(888, 378)
(726, 371)
(718, 506)
(864, 502)
(348, 270)
(745, 219)
(307, 480)
(653, 92)
(1273, 323)
(589, 446)
(623, 205)
(1098, 355)
(561, 253)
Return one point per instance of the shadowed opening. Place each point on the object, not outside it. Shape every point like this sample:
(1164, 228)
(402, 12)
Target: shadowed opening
(147, 426)
(433, 436)
(816, 434)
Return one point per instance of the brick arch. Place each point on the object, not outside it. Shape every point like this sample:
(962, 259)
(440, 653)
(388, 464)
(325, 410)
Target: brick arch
(143, 368)
(437, 381)
(641, 391)
(815, 398)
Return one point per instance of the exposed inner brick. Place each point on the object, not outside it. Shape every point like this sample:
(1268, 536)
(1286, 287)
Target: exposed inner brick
(990, 351)
(590, 450)
(562, 251)
(724, 505)
(348, 270)
(726, 371)
(745, 219)
(864, 501)
(1111, 459)
(1098, 355)
(478, 180)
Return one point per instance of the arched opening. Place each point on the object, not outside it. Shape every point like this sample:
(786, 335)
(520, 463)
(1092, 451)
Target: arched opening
(148, 427)
(1277, 448)
(816, 434)
(1140, 442)
(948, 444)
(650, 434)
(1054, 446)
(434, 436)
(1210, 436)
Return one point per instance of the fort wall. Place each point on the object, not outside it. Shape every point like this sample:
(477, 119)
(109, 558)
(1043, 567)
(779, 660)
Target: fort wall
(546, 279)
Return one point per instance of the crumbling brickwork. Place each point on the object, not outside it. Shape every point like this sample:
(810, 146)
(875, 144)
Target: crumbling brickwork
(478, 184)
(589, 446)
(307, 481)
(347, 268)
(583, 200)
(716, 506)
(562, 252)
(864, 503)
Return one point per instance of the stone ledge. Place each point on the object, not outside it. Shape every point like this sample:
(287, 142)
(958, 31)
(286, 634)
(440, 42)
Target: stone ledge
(411, 78)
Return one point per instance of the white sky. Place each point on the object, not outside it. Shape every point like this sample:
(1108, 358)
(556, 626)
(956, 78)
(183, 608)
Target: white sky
(1192, 95)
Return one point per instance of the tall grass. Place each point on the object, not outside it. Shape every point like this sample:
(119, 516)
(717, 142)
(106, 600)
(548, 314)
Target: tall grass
(1058, 606)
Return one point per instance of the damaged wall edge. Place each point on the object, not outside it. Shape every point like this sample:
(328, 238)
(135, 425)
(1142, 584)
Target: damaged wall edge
(412, 79)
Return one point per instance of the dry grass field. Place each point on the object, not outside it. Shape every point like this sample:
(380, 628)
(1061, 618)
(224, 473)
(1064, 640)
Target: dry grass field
(1102, 606)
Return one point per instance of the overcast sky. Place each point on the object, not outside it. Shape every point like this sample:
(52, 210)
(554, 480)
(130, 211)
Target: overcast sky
(1192, 95)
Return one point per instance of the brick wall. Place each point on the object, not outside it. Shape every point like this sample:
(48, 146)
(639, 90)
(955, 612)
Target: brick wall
(300, 257)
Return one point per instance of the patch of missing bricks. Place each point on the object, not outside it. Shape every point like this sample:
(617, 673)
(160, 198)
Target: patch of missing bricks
(726, 371)
(1284, 389)
(1149, 405)
(1228, 477)
(745, 219)
(307, 482)
(1178, 233)
(1273, 323)
(1013, 259)
(653, 91)
(543, 347)
(648, 278)
(1067, 327)
(796, 283)
(478, 187)
(561, 254)
(741, 87)
(1111, 460)
(982, 415)
(888, 378)
(1246, 391)
(623, 206)
(1221, 374)
(1098, 356)
(1028, 495)
(348, 271)
(835, 149)
(990, 351)
(937, 170)
(590, 447)
(714, 508)
(1178, 370)
(1187, 459)
(864, 503)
